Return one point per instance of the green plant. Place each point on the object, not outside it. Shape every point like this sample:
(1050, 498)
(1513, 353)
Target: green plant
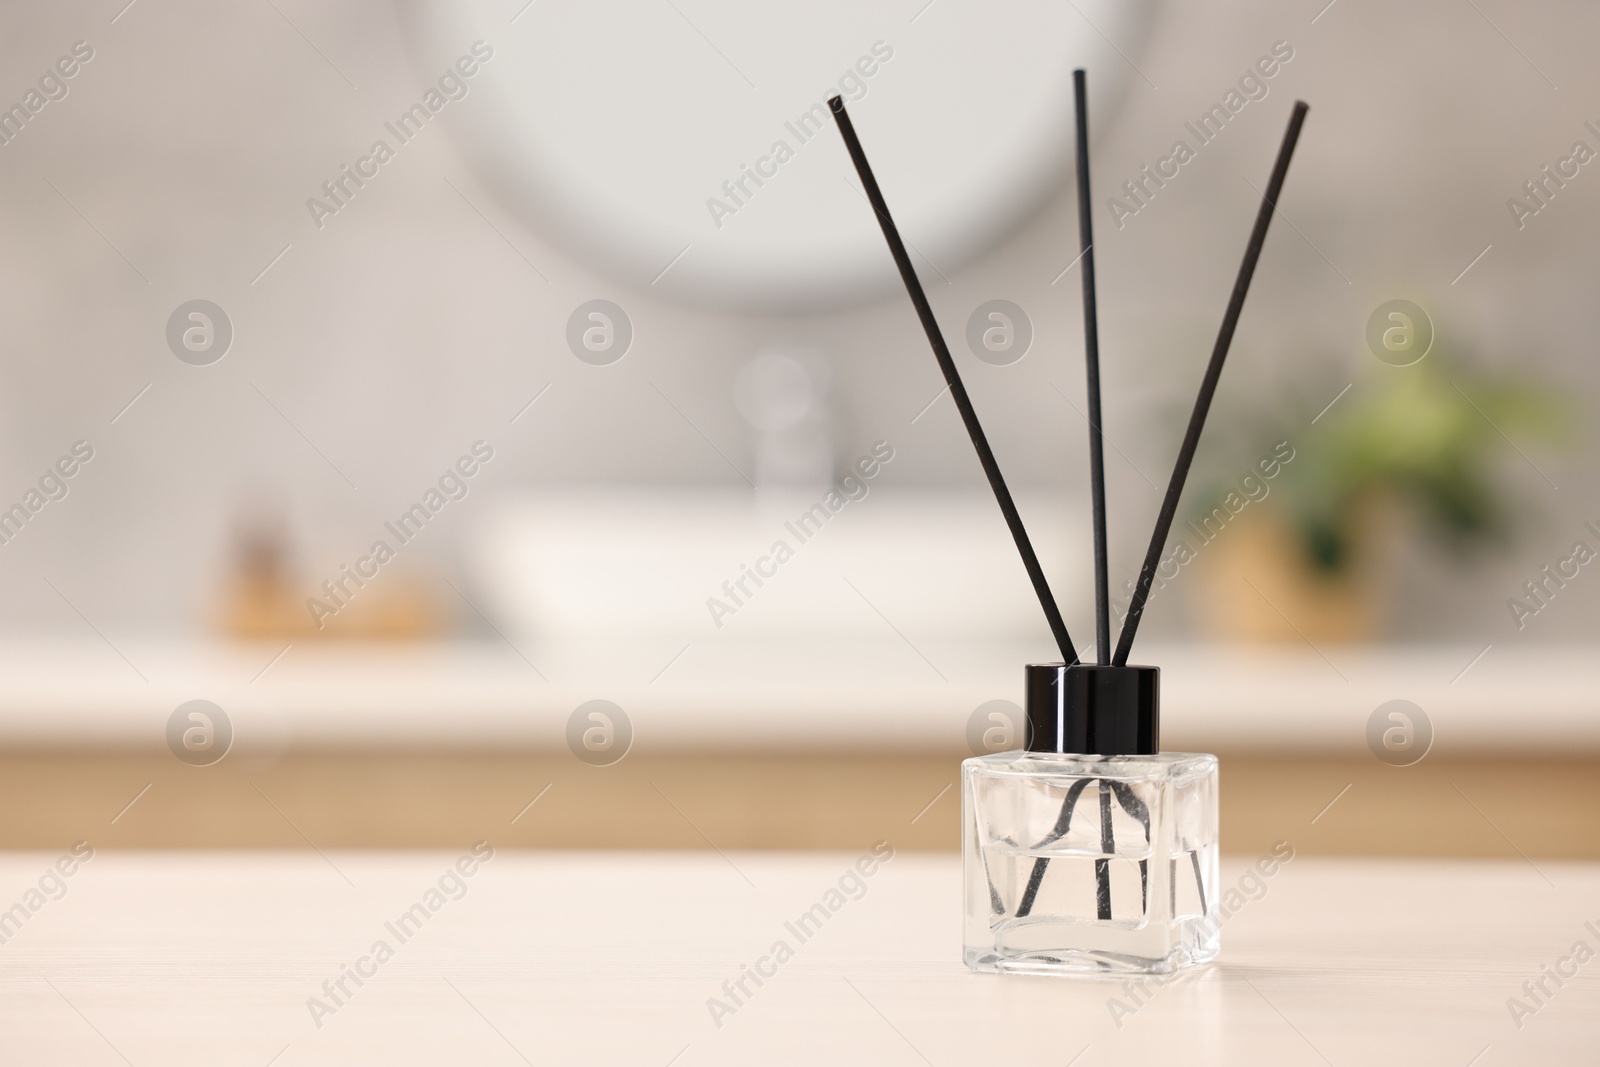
(1429, 436)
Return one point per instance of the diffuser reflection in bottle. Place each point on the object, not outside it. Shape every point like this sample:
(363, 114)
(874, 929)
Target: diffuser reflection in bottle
(1090, 864)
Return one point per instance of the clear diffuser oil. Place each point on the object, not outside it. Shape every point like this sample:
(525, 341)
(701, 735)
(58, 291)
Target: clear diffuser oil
(1089, 864)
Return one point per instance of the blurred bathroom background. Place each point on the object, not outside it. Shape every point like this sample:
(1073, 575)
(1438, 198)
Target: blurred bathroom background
(564, 278)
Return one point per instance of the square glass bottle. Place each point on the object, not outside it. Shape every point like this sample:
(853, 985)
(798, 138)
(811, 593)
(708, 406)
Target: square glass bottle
(1091, 852)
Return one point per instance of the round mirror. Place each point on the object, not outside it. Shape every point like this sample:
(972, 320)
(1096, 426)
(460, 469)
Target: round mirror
(687, 146)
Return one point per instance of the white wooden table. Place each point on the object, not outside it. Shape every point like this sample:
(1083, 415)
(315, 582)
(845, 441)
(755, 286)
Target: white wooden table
(178, 959)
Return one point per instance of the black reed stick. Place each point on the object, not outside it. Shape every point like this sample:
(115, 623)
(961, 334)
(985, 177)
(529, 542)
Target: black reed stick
(1208, 385)
(1097, 465)
(1091, 358)
(958, 392)
(1108, 848)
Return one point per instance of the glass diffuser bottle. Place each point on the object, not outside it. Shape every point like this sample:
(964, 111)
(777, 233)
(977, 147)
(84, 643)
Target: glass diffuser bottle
(1091, 852)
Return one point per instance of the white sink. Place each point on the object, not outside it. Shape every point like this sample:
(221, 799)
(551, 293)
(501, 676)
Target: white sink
(562, 565)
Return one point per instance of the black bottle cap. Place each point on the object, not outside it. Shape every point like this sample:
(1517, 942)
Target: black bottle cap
(1094, 710)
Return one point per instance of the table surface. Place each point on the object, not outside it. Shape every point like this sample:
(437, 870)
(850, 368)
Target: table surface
(212, 958)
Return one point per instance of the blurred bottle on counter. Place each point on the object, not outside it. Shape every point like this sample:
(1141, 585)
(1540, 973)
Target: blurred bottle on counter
(268, 598)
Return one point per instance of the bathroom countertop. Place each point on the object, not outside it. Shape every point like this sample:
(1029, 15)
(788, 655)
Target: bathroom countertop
(723, 692)
(242, 957)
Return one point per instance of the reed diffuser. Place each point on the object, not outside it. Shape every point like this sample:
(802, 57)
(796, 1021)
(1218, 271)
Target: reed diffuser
(1092, 852)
